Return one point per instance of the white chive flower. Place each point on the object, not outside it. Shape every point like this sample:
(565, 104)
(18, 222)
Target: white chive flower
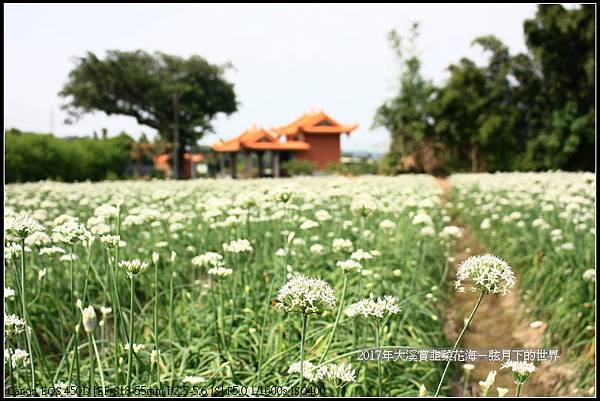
(521, 370)
(306, 295)
(487, 384)
(154, 356)
(486, 273)
(349, 265)
(450, 232)
(9, 292)
(193, 380)
(308, 224)
(502, 391)
(468, 367)
(338, 375)
(208, 259)
(110, 241)
(359, 255)
(16, 356)
(310, 371)
(21, 225)
(283, 194)
(377, 310)
(363, 205)
(590, 275)
(133, 267)
(69, 232)
(51, 250)
(317, 249)
(387, 225)
(341, 244)
(136, 347)
(13, 325)
(238, 246)
(220, 271)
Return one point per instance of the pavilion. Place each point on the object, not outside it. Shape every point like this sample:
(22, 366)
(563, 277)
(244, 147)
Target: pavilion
(314, 136)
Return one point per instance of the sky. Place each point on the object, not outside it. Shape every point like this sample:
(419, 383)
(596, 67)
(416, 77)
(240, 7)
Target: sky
(288, 58)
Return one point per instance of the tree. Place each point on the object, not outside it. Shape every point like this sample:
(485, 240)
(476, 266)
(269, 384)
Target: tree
(405, 115)
(456, 109)
(476, 111)
(178, 97)
(562, 44)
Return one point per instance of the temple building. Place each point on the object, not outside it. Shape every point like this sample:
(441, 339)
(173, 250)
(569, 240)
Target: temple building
(188, 170)
(314, 136)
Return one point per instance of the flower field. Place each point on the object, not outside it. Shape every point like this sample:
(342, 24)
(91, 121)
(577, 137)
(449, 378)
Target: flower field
(263, 287)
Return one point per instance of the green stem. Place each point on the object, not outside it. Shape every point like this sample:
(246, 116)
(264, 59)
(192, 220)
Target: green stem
(337, 319)
(518, 389)
(156, 320)
(171, 323)
(378, 345)
(458, 341)
(72, 280)
(116, 314)
(466, 383)
(28, 329)
(262, 328)
(10, 369)
(99, 361)
(223, 311)
(91, 354)
(130, 356)
(304, 320)
(77, 366)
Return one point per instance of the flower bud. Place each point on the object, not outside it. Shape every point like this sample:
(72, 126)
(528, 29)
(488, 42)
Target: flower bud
(89, 319)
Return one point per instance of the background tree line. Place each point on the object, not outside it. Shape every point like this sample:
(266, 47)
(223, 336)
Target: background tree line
(33, 157)
(526, 111)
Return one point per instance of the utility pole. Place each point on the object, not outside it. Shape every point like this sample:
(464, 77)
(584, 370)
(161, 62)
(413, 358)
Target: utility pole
(176, 136)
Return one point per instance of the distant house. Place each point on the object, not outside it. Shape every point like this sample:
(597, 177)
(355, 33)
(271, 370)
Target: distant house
(314, 136)
(190, 163)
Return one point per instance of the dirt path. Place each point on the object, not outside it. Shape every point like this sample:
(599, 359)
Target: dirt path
(500, 323)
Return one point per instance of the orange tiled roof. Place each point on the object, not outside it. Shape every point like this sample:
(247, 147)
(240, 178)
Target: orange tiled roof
(315, 122)
(288, 145)
(258, 138)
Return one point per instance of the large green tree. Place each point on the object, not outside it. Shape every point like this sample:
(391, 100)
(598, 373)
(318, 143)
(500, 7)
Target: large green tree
(179, 97)
(405, 115)
(562, 44)
(477, 112)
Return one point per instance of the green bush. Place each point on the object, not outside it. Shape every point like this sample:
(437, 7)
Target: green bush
(34, 157)
(298, 167)
(353, 169)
